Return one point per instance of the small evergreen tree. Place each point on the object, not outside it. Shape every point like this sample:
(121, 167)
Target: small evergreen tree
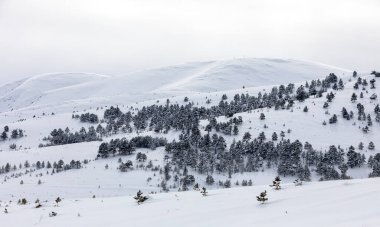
(354, 97)
(371, 146)
(276, 183)
(361, 146)
(196, 187)
(262, 198)
(140, 198)
(58, 200)
(369, 120)
(333, 119)
(274, 136)
(23, 201)
(262, 116)
(203, 191)
(236, 130)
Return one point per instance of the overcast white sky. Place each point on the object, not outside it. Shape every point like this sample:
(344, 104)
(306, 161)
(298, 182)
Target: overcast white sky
(118, 36)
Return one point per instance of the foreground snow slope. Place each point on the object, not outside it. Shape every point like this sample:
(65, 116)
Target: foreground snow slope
(74, 90)
(335, 203)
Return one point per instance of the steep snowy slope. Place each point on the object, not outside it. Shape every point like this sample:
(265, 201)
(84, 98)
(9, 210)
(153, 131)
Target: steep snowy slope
(335, 203)
(77, 90)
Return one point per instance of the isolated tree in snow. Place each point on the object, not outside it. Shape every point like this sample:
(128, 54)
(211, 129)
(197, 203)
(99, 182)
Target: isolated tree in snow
(354, 97)
(371, 146)
(196, 187)
(372, 82)
(274, 136)
(262, 116)
(262, 197)
(340, 84)
(365, 129)
(203, 191)
(58, 200)
(23, 201)
(369, 120)
(345, 114)
(140, 198)
(305, 109)
(333, 119)
(361, 146)
(38, 204)
(276, 183)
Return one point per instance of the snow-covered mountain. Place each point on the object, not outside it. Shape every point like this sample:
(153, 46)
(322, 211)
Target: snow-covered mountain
(79, 90)
(222, 99)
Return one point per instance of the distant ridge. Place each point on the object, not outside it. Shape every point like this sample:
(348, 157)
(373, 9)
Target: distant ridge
(54, 89)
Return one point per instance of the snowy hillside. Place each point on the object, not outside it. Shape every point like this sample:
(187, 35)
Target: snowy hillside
(335, 203)
(231, 126)
(65, 91)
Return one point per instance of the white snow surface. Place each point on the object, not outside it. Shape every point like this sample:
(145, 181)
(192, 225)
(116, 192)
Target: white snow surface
(65, 91)
(335, 203)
